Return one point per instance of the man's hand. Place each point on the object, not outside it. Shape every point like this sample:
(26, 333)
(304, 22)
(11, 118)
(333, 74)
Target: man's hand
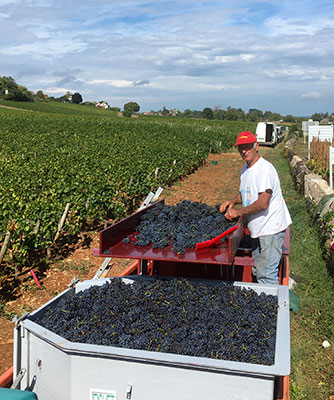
(232, 213)
(226, 204)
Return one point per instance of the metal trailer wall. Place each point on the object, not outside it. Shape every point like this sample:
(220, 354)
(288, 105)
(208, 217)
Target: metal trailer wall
(59, 369)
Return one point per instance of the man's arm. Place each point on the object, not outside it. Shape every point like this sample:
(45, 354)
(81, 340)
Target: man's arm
(262, 203)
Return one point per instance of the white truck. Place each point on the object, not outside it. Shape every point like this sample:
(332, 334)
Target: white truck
(266, 134)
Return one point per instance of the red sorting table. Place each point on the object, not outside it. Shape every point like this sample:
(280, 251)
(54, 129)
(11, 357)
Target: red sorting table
(203, 262)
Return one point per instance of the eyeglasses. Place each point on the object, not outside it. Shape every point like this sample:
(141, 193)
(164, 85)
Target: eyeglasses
(246, 146)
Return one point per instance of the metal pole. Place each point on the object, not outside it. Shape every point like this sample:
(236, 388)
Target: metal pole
(331, 166)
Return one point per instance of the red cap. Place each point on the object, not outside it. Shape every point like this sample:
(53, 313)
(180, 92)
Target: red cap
(245, 138)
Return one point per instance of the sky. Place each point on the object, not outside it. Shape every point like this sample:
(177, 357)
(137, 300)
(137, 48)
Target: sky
(270, 55)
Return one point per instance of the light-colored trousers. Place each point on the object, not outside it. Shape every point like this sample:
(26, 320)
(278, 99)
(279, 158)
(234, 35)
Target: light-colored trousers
(267, 258)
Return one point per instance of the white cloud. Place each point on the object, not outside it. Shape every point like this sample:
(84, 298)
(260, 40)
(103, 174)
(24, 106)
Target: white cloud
(116, 83)
(6, 2)
(45, 48)
(57, 91)
(311, 96)
(189, 53)
(293, 72)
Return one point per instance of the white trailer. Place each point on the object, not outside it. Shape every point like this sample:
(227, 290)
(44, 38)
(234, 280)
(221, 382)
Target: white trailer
(59, 369)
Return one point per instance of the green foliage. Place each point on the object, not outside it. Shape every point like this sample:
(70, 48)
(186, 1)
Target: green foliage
(103, 167)
(9, 90)
(208, 113)
(56, 107)
(319, 116)
(255, 115)
(5, 313)
(76, 98)
(130, 108)
(289, 118)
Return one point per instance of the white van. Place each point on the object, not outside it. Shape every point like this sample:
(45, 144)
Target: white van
(266, 133)
(279, 133)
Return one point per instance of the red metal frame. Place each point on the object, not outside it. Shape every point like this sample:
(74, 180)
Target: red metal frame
(111, 245)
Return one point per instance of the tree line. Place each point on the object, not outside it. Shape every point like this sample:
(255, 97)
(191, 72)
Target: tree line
(10, 90)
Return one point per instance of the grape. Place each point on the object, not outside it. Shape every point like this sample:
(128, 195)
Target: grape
(182, 225)
(170, 316)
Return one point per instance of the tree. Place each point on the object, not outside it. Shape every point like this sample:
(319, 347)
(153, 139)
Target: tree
(40, 95)
(7, 83)
(76, 98)
(187, 113)
(130, 108)
(290, 118)
(235, 114)
(10, 90)
(317, 116)
(254, 115)
(218, 112)
(207, 113)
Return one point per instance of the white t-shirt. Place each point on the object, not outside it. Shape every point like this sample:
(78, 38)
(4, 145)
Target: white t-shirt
(257, 179)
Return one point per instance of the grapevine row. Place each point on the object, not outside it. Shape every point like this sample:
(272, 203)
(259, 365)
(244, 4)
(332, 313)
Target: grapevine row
(102, 167)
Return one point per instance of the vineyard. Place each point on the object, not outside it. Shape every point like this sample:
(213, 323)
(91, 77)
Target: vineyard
(90, 170)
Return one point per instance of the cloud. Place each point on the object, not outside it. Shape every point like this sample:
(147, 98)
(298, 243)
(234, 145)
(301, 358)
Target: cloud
(143, 82)
(192, 54)
(112, 82)
(6, 2)
(58, 90)
(66, 71)
(69, 79)
(311, 96)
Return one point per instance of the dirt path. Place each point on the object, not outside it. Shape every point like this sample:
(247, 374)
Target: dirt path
(13, 108)
(212, 183)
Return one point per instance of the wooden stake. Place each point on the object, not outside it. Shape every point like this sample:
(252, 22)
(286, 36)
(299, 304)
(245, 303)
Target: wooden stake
(36, 227)
(4, 246)
(62, 221)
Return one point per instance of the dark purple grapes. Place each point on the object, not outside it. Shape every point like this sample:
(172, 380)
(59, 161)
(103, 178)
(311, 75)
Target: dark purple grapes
(182, 225)
(171, 316)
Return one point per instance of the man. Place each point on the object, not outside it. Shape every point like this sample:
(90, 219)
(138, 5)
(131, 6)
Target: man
(264, 208)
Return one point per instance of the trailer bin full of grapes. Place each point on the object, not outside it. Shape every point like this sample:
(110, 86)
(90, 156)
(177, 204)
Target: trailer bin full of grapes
(59, 369)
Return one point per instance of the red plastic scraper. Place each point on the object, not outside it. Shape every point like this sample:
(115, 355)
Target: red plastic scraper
(215, 241)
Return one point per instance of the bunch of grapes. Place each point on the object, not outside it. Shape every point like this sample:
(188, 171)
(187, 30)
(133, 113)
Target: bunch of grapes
(171, 316)
(182, 225)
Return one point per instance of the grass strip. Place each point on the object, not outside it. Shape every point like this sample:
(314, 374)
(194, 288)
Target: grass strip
(312, 369)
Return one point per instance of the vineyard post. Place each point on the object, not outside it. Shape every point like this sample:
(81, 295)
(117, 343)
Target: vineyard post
(62, 221)
(10, 226)
(4, 246)
(60, 225)
(38, 224)
(331, 161)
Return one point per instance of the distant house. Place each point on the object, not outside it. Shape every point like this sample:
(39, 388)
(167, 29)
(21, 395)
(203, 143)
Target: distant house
(3, 92)
(102, 104)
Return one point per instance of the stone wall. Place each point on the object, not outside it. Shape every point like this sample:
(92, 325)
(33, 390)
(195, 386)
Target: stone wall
(317, 193)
